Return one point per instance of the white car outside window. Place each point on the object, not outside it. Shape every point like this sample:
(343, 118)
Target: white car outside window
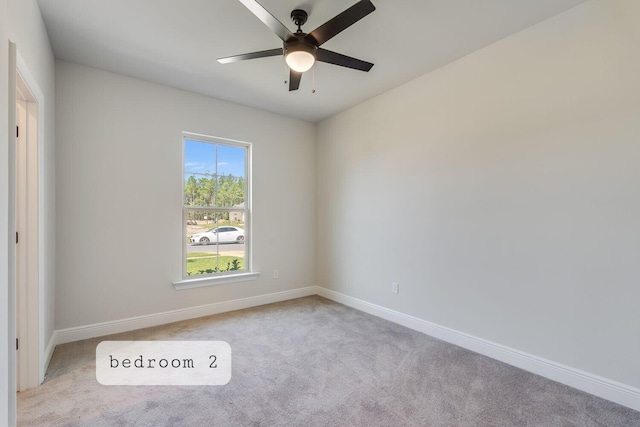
(219, 235)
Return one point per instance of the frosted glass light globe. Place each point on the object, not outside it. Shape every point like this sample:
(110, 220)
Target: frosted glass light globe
(300, 60)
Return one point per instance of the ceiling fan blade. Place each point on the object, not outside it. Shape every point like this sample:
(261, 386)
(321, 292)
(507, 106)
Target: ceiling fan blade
(342, 21)
(268, 19)
(324, 55)
(294, 80)
(252, 55)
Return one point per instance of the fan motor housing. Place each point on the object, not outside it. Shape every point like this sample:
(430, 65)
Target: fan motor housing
(299, 17)
(299, 43)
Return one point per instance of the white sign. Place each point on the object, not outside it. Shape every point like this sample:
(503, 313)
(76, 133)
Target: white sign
(163, 363)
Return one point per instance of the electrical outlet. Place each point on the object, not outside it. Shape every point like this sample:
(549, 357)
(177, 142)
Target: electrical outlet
(276, 274)
(394, 287)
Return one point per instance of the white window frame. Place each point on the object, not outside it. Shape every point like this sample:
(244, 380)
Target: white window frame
(189, 282)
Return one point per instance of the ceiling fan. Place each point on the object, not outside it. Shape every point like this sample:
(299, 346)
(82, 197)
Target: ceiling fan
(302, 50)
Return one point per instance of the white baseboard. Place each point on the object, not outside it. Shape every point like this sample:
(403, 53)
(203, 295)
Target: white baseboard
(602, 387)
(124, 325)
(48, 353)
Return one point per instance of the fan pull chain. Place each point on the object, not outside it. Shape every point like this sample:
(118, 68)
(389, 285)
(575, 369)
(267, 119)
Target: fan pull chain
(313, 76)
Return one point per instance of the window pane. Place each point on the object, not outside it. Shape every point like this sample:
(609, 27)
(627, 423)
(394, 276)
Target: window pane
(199, 190)
(231, 161)
(231, 176)
(231, 191)
(215, 244)
(199, 173)
(199, 157)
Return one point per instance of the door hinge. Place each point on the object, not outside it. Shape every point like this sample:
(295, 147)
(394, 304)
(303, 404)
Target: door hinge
(17, 131)
(16, 237)
(17, 346)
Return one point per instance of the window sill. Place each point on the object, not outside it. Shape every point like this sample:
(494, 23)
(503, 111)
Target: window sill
(202, 282)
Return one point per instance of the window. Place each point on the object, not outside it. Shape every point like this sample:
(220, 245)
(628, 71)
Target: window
(216, 208)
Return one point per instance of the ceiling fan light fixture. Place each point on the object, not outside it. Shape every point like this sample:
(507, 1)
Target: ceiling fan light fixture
(301, 50)
(300, 57)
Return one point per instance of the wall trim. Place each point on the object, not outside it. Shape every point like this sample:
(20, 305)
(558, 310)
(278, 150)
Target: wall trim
(48, 354)
(35, 300)
(602, 387)
(63, 336)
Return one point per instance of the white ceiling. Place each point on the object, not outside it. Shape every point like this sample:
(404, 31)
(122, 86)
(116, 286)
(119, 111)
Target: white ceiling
(177, 42)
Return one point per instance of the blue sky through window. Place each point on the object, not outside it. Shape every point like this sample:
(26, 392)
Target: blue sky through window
(200, 158)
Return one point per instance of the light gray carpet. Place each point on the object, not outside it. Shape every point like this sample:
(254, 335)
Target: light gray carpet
(312, 362)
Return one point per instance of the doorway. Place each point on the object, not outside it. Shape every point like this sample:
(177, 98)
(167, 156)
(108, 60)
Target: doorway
(28, 290)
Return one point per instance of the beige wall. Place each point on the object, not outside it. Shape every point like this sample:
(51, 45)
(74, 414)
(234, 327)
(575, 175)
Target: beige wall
(119, 200)
(516, 171)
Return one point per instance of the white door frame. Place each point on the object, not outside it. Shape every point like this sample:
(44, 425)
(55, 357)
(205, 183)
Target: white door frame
(11, 253)
(28, 200)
